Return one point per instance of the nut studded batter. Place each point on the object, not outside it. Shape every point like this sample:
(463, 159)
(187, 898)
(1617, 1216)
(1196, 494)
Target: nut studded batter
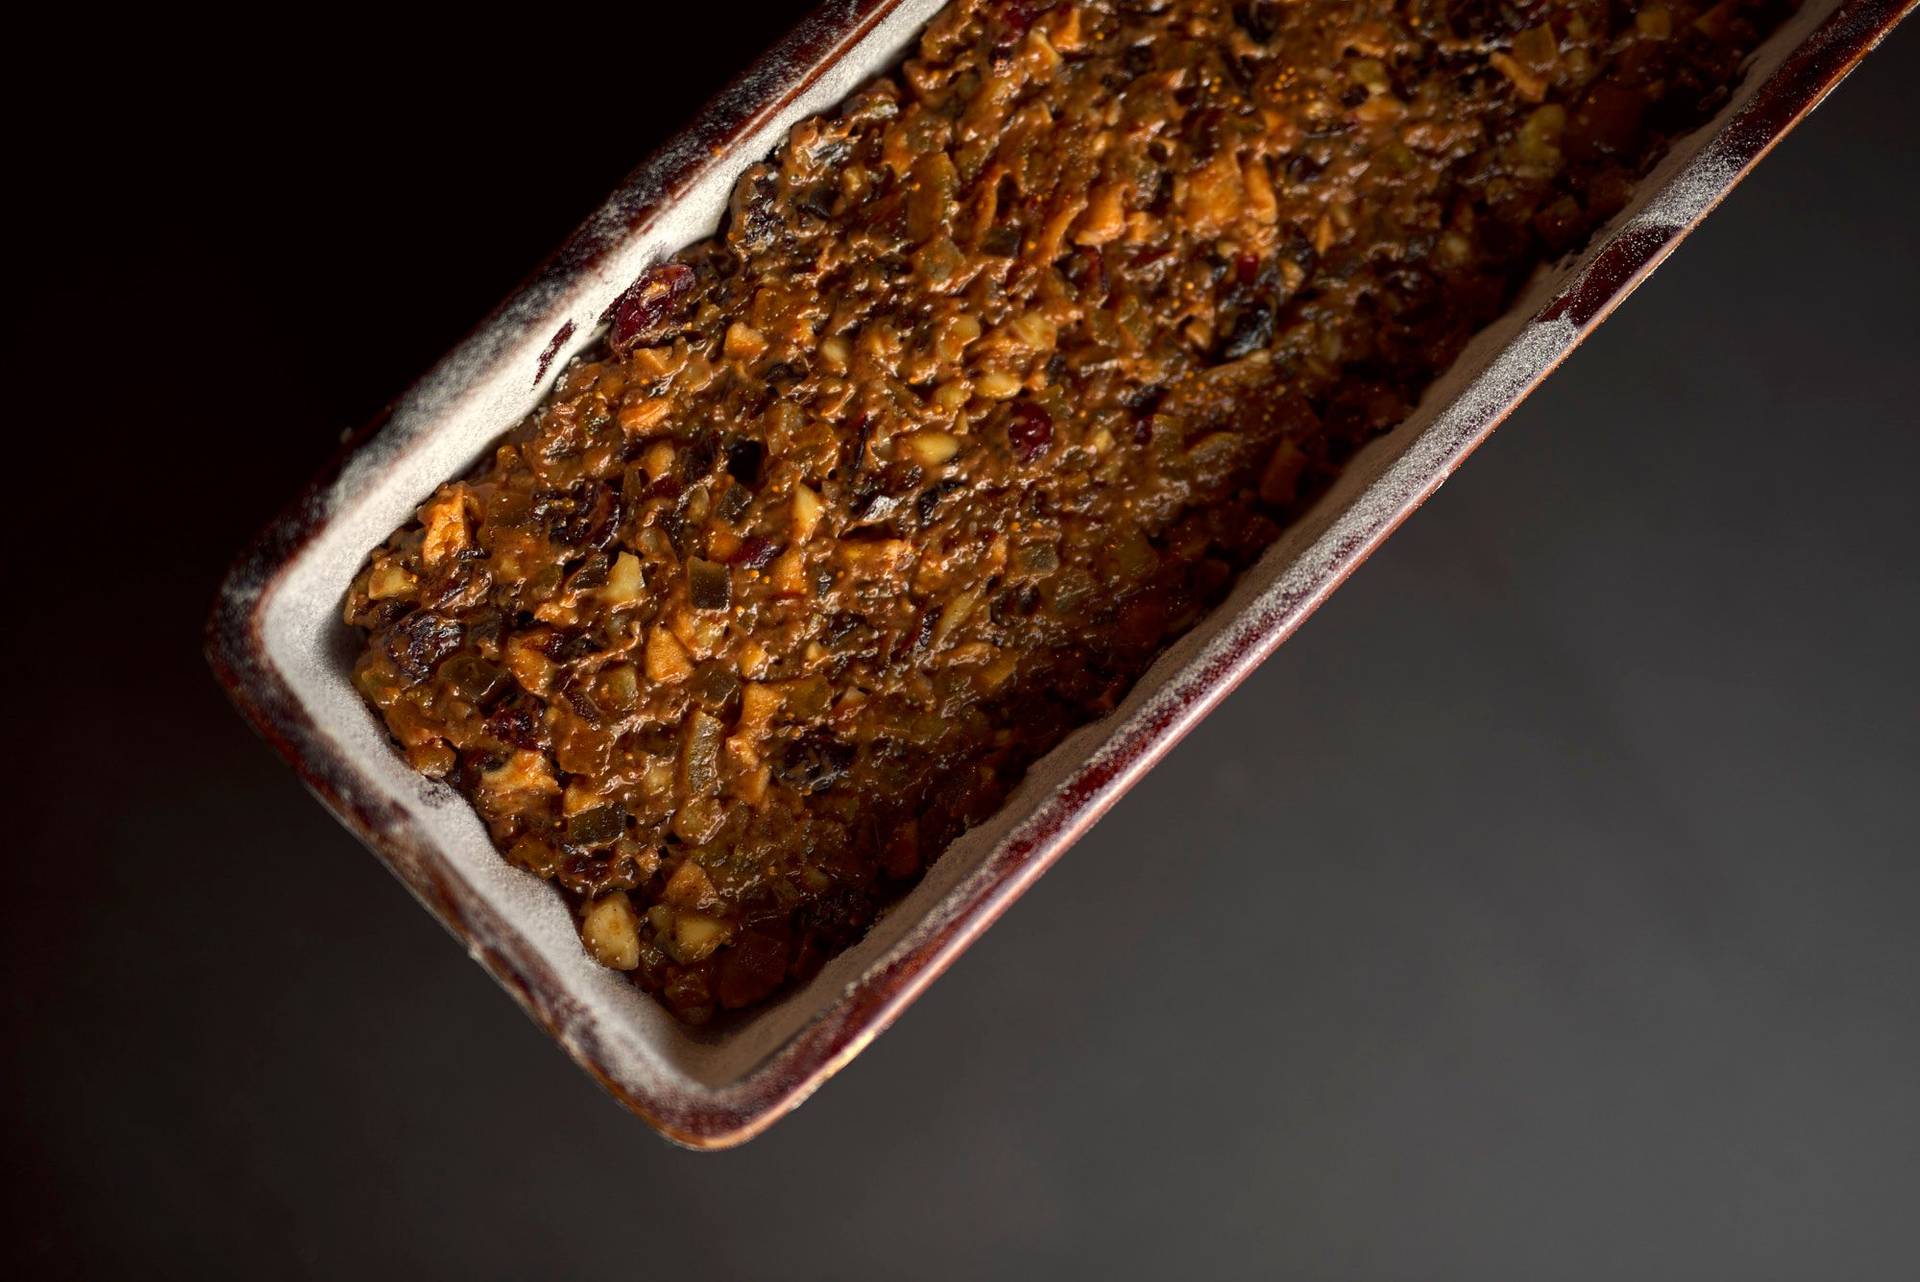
(995, 380)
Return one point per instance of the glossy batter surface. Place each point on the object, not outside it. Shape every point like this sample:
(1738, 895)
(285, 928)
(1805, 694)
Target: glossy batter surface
(995, 380)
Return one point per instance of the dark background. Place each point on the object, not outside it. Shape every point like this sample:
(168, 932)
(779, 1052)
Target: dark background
(1546, 909)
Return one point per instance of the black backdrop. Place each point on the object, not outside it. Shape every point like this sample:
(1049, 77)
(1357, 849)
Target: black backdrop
(1545, 909)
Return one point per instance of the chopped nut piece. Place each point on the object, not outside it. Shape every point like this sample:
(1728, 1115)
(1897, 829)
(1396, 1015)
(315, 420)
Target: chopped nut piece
(1034, 330)
(445, 519)
(759, 705)
(696, 936)
(624, 582)
(744, 342)
(755, 659)
(752, 787)
(658, 460)
(955, 614)
(689, 887)
(612, 932)
(959, 333)
(523, 772)
(806, 513)
(644, 414)
(1214, 195)
(930, 448)
(389, 580)
(698, 819)
(1105, 217)
(1262, 204)
(667, 659)
(952, 396)
(998, 385)
(875, 558)
(530, 665)
(790, 573)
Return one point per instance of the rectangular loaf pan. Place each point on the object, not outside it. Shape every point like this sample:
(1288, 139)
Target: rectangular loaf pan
(277, 642)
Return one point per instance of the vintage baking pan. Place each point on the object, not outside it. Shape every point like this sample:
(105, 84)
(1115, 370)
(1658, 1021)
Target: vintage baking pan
(277, 642)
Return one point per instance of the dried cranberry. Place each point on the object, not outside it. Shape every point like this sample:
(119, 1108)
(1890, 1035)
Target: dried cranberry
(642, 314)
(1029, 431)
(1017, 15)
(755, 552)
(585, 874)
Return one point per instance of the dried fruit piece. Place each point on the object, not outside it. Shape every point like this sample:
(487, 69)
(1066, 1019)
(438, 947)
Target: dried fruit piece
(755, 552)
(645, 312)
(709, 586)
(700, 754)
(813, 763)
(418, 642)
(1250, 331)
(1029, 431)
(600, 826)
